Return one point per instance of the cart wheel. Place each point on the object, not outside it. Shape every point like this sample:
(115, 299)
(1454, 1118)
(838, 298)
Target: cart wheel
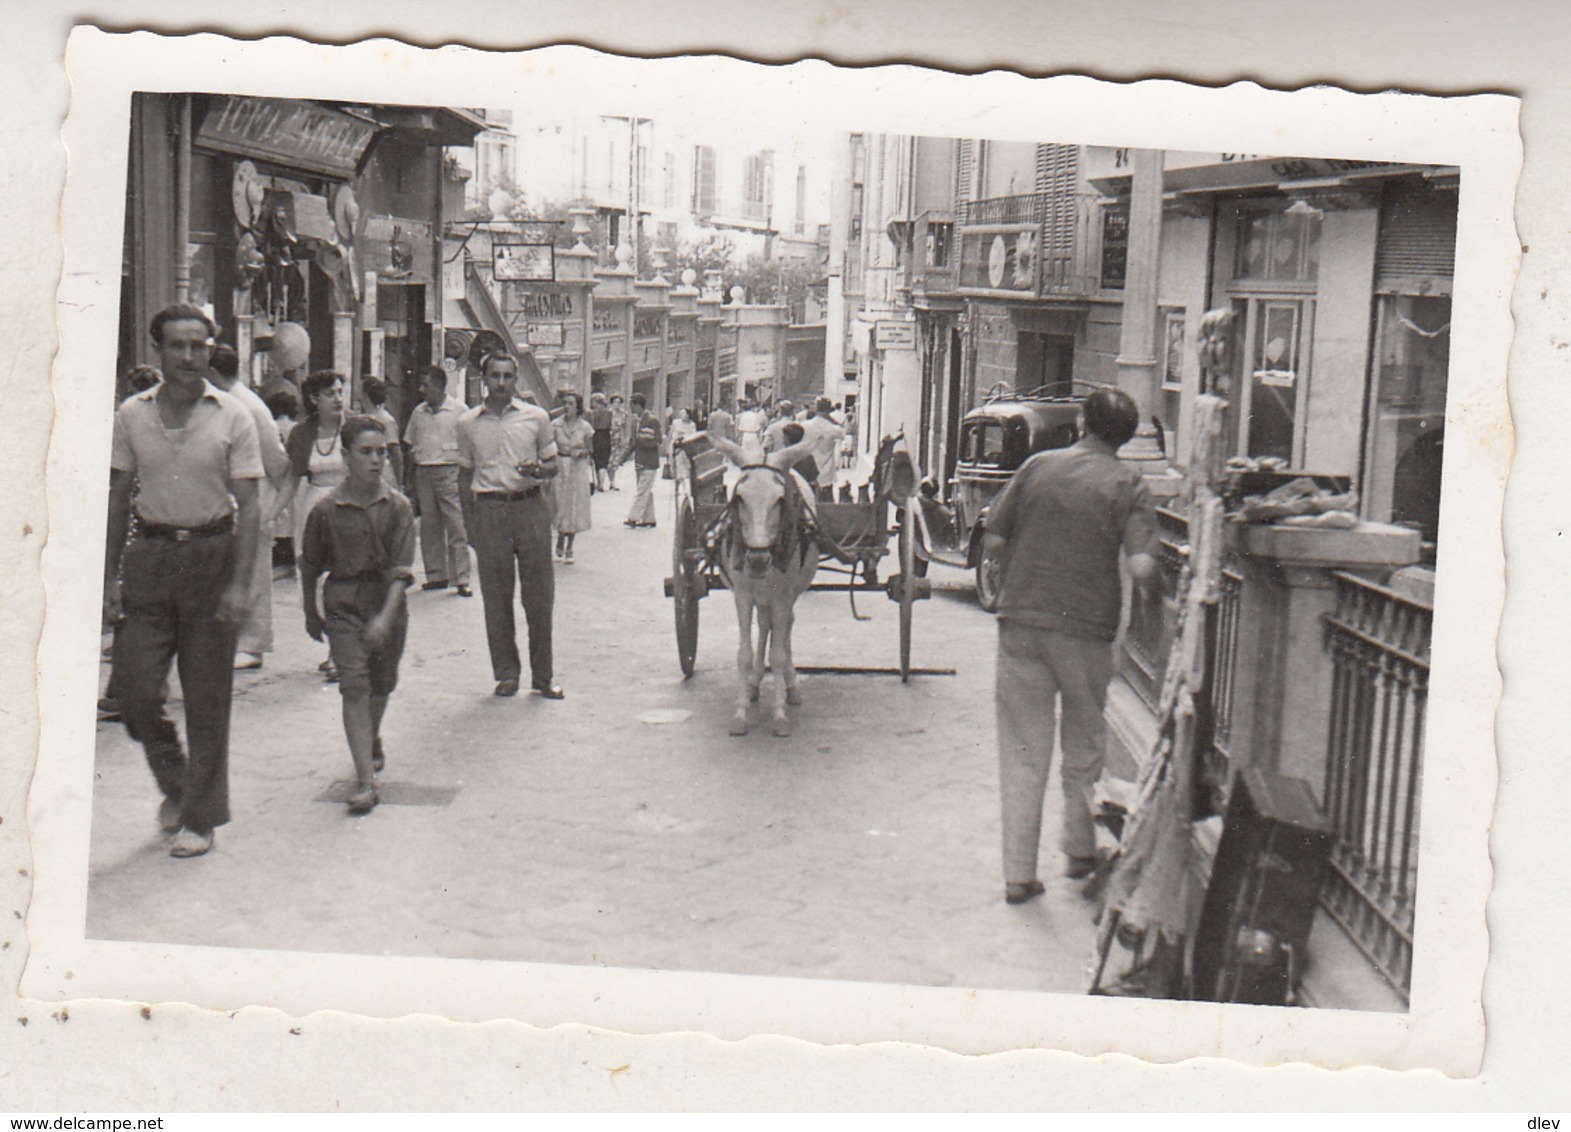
(684, 589)
(989, 576)
(907, 544)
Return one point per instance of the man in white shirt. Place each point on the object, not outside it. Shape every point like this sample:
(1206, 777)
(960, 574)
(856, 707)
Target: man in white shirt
(431, 439)
(183, 582)
(507, 457)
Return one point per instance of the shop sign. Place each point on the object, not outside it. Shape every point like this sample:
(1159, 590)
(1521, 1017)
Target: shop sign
(1193, 170)
(727, 363)
(608, 318)
(704, 360)
(646, 326)
(896, 335)
(546, 334)
(546, 304)
(523, 263)
(301, 135)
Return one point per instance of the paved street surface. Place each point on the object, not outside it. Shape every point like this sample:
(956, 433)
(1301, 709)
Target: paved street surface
(623, 826)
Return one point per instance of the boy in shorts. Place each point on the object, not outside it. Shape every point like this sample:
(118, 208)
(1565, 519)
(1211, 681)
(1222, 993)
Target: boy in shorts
(363, 537)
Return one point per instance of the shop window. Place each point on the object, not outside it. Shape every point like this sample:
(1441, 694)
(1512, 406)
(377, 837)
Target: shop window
(1407, 432)
(1276, 335)
(939, 239)
(1282, 246)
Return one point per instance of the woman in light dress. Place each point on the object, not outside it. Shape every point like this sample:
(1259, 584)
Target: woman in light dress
(575, 457)
(316, 458)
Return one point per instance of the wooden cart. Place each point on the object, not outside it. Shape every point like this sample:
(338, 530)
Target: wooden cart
(852, 537)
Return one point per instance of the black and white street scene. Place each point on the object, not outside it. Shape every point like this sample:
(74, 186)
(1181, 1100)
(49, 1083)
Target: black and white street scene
(624, 540)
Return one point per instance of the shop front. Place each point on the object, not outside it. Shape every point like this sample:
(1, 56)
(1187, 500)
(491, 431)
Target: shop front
(298, 226)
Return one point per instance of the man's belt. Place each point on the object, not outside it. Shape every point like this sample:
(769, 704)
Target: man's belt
(173, 533)
(509, 496)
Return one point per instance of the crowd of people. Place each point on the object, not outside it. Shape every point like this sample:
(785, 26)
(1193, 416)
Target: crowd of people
(206, 476)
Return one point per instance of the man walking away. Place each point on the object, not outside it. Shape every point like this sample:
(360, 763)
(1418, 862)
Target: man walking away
(184, 580)
(645, 429)
(256, 631)
(431, 439)
(1060, 525)
(506, 457)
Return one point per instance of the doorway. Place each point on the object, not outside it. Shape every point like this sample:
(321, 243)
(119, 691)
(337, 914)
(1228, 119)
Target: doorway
(1045, 364)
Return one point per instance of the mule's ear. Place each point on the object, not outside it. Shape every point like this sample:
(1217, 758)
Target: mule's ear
(728, 448)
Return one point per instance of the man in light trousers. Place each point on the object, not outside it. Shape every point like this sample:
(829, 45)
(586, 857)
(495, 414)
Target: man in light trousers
(431, 440)
(1060, 526)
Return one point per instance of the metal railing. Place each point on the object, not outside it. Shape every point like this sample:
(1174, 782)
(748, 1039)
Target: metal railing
(1378, 641)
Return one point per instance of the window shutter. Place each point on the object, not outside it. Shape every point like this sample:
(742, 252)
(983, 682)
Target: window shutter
(1056, 169)
(1417, 234)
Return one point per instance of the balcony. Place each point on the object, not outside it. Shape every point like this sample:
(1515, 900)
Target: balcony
(925, 245)
(1035, 245)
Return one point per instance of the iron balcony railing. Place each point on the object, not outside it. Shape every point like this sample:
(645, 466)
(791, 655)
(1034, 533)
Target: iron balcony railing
(1378, 641)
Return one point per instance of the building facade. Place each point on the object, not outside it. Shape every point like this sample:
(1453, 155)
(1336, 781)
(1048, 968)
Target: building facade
(311, 232)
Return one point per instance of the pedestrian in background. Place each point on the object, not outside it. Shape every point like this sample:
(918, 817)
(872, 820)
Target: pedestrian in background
(285, 407)
(1060, 525)
(721, 423)
(601, 422)
(825, 437)
(682, 427)
(256, 631)
(362, 536)
(316, 460)
(574, 453)
(506, 457)
(431, 440)
(182, 582)
(619, 449)
(774, 435)
(645, 445)
(374, 390)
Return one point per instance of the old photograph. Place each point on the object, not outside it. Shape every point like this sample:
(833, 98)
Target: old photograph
(749, 555)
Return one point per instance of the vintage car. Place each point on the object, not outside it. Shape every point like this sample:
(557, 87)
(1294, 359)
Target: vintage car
(996, 437)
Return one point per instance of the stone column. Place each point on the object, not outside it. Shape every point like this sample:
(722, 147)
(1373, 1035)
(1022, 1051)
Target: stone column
(1282, 675)
(1137, 362)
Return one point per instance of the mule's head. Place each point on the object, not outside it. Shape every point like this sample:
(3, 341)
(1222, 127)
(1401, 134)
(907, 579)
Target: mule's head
(759, 501)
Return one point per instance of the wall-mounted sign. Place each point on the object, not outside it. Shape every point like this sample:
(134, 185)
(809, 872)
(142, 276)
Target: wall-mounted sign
(896, 335)
(523, 263)
(546, 334)
(546, 304)
(646, 326)
(301, 135)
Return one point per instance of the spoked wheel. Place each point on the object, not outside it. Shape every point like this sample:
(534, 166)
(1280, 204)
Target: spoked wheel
(908, 575)
(989, 577)
(684, 585)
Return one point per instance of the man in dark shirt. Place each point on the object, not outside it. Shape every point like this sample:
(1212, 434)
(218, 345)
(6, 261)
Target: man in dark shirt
(644, 427)
(1059, 527)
